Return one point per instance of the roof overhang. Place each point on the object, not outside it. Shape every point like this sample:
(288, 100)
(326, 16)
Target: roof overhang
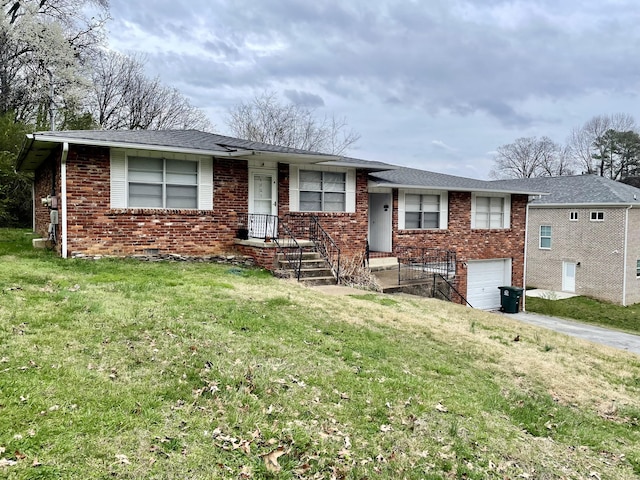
(584, 205)
(373, 183)
(37, 148)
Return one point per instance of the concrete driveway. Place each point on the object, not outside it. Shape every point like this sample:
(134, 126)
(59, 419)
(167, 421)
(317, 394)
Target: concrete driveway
(604, 336)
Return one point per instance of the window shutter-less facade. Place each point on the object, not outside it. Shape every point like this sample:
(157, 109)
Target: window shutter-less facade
(118, 179)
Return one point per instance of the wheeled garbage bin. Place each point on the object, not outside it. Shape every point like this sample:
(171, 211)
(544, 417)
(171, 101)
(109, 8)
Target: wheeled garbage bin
(510, 299)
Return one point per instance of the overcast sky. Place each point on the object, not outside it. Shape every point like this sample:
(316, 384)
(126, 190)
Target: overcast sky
(430, 84)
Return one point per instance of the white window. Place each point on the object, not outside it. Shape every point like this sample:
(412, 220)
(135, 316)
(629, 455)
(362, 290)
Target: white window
(573, 216)
(421, 211)
(141, 179)
(162, 183)
(322, 191)
(638, 268)
(491, 212)
(545, 237)
(597, 216)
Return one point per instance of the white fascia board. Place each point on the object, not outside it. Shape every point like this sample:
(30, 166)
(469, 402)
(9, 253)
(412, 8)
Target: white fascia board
(453, 189)
(138, 146)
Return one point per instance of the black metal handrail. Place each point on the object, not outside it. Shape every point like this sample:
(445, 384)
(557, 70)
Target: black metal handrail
(325, 245)
(289, 248)
(451, 286)
(257, 225)
(420, 263)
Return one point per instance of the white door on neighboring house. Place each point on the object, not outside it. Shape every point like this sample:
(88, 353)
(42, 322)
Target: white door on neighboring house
(263, 203)
(569, 277)
(380, 212)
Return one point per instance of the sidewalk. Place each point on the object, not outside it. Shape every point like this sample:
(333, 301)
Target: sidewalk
(604, 336)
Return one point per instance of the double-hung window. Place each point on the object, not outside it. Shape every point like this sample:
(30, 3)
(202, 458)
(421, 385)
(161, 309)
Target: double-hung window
(162, 183)
(545, 237)
(322, 191)
(490, 212)
(421, 211)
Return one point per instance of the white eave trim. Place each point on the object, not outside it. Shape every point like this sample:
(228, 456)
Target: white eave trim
(451, 188)
(136, 146)
(582, 205)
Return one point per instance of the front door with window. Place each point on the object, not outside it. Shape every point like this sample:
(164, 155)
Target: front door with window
(263, 203)
(569, 277)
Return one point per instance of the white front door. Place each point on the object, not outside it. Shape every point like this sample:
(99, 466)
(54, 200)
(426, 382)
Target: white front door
(263, 203)
(569, 277)
(380, 222)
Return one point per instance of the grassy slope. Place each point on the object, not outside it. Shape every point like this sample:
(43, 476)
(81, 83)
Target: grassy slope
(589, 310)
(119, 369)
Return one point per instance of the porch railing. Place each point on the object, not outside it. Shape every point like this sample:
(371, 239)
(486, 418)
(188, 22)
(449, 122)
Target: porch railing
(325, 245)
(289, 248)
(258, 225)
(421, 263)
(453, 291)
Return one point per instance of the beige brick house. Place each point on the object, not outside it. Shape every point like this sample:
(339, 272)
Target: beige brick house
(123, 193)
(584, 237)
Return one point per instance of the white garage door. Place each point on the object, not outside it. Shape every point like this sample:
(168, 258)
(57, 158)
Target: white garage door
(483, 279)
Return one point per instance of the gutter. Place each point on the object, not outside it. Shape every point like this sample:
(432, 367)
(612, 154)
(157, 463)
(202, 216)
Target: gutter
(524, 269)
(452, 188)
(625, 259)
(63, 199)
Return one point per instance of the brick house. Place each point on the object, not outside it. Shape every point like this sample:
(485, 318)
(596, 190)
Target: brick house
(584, 237)
(123, 193)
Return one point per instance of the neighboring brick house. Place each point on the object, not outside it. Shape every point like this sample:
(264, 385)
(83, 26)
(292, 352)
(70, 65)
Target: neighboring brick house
(584, 237)
(133, 192)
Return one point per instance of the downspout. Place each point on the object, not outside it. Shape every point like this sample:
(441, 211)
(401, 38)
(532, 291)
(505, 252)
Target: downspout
(624, 258)
(524, 270)
(63, 194)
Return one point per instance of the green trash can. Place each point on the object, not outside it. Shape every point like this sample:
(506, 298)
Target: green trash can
(510, 299)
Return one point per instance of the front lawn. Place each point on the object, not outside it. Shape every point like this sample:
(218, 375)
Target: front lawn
(130, 370)
(589, 310)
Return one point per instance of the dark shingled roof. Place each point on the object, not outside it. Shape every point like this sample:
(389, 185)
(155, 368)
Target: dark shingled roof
(576, 190)
(413, 178)
(188, 139)
(38, 145)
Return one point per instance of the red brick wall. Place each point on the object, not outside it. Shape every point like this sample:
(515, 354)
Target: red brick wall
(470, 244)
(348, 230)
(43, 187)
(96, 229)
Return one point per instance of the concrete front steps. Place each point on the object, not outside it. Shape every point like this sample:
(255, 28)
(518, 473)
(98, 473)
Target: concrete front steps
(314, 270)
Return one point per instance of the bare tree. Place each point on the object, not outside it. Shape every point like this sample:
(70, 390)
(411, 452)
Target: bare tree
(266, 120)
(123, 97)
(583, 146)
(530, 157)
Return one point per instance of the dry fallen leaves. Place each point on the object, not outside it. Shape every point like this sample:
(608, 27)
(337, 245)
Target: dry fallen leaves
(271, 459)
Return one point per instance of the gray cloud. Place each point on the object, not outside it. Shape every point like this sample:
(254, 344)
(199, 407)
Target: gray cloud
(515, 67)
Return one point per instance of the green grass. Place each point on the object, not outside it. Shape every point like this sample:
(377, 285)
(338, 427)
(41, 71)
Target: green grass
(125, 369)
(589, 310)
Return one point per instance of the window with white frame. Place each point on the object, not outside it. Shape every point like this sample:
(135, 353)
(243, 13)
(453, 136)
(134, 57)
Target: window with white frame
(573, 216)
(162, 183)
(597, 216)
(638, 268)
(421, 211)
(545, 237)
(490, 212)
(322, 191)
